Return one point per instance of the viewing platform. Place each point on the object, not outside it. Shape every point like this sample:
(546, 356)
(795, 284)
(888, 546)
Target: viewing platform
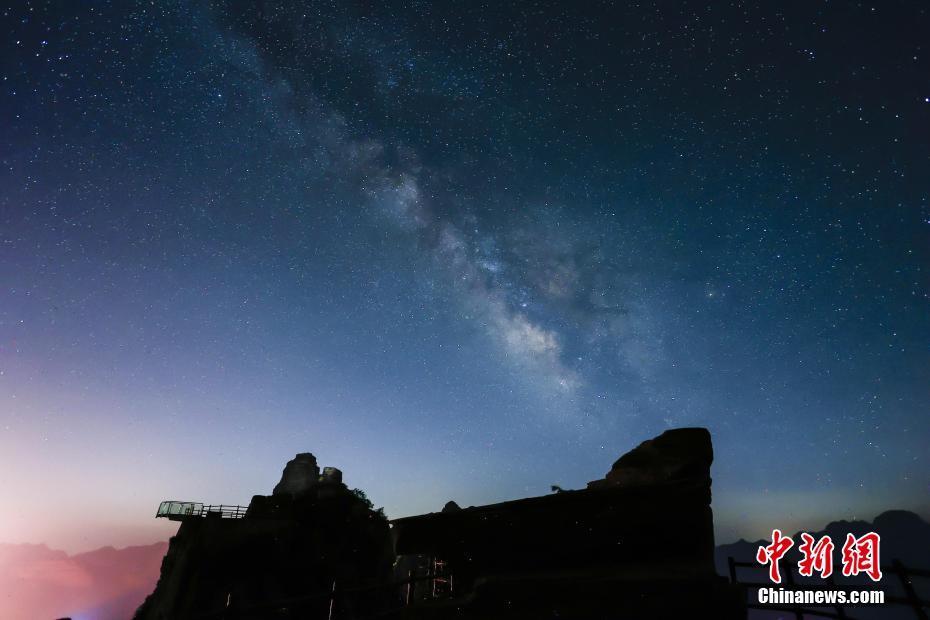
(179, 511)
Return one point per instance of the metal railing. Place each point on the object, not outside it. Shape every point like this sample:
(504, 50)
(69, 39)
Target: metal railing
(178, 511)
(905, 575)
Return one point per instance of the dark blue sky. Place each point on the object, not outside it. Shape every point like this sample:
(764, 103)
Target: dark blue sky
(462, 251)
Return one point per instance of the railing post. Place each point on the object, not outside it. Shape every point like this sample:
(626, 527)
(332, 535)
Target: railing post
(840, 612)
(789, 581)
(731, 563)
(909, 591)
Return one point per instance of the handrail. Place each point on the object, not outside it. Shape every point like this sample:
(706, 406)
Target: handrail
(178, 511)
(902, 572)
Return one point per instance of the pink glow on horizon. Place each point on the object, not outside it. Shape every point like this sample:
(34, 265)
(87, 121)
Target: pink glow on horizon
(105, 584)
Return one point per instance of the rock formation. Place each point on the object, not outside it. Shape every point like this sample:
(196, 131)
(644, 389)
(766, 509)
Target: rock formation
(299, 475)
(282, 559)
(638, 543)
(683, 454)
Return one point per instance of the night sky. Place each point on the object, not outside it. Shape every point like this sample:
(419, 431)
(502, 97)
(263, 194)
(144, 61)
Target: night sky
(460, 250)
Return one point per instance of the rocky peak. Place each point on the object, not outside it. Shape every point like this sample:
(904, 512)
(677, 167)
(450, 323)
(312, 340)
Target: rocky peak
(675, 455)
(300, 474)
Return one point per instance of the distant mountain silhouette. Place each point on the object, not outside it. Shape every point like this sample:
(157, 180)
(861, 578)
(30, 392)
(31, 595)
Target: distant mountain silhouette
(105, 584)
(905, 536)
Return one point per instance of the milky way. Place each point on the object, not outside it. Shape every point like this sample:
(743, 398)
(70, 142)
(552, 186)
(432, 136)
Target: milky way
(461, 250)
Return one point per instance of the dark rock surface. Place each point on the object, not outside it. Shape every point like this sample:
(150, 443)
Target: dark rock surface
(281, 560)
(637, 544)
(451, 507)
(300, 474)
(676, 454)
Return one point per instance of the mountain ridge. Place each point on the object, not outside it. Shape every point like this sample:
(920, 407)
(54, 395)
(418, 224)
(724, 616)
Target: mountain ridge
(107, 583)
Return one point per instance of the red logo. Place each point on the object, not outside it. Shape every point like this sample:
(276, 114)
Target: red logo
(817, 557)
(859, 555)
(772, 553)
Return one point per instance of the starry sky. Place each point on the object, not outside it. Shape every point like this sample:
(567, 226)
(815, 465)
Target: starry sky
(461, 250)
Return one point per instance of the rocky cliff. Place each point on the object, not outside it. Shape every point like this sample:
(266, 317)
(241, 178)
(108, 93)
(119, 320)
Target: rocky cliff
(636, 544)
(282, 559)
